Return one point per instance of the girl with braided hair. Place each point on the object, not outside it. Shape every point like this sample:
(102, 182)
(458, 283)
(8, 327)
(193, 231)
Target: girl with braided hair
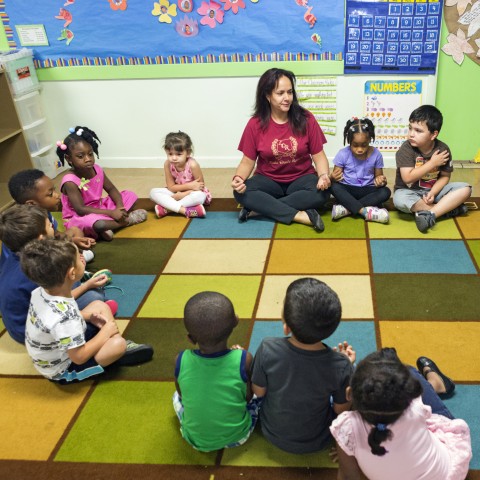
(82, 189)
(358, 182)
(390, 433)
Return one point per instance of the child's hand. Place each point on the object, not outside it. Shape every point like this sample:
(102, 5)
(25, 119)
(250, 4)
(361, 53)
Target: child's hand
(429, 198)
(346, 349)
(96, 282)
(380, 181)
(236, 347)
(119, 215)
(197, 184)
(336, 175)
(440, 158)
(97, 319)
(110, 328)
(83, 243)
(333, 454)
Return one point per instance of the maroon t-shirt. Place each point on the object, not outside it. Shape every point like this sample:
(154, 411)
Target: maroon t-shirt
(280, 154)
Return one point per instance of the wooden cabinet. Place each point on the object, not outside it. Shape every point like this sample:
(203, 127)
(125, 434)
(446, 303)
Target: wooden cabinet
(14, 153)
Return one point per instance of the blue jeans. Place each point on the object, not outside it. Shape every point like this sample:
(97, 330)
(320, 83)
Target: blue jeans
(89, 296)
(430, 397)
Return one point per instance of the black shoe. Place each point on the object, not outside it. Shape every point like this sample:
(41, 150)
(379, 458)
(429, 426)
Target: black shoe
(460, 210)
(425, 362)
(135, 353)
(243, 215)
(316, 220)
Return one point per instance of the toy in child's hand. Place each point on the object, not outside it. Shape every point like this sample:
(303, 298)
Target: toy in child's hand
(104, 271)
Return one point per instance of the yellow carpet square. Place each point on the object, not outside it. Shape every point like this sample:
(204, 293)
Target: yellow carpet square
(167, 227)
(257, 452)
(169, 295)
(470, 224)
(35, 413)
(318, 256)
(218, 256)
(402, 225)
(354, 292)
(452, 345)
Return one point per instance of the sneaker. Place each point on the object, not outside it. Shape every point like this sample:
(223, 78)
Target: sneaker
(460, 210)
(375, 214)
(137, 216)
(113, 306)
(195, 212)
(107, 235)
(424, 220)
(88, 255)
(136, 353)
(160, 212)
(339, 211)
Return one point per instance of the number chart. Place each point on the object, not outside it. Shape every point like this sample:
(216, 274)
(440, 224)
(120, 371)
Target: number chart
(396, 36)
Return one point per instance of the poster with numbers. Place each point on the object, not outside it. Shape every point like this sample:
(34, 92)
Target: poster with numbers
(395, 36)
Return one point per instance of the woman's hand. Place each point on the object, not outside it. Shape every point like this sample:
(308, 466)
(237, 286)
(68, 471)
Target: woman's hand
(238, 184)
(323, 182)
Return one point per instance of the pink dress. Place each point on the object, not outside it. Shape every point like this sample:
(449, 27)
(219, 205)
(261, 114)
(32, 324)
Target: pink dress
(91, 191)
(423, 446)
(186, 176)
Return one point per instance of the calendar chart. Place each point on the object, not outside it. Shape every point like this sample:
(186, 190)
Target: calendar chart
(399, 36)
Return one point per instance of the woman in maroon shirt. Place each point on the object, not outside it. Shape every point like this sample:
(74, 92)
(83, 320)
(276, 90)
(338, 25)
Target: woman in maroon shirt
(285, 142)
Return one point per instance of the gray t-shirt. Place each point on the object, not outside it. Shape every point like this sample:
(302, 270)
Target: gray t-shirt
(296, 412)
(408, 156)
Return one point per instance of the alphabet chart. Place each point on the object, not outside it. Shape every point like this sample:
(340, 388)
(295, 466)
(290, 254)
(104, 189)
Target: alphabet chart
(396, 36)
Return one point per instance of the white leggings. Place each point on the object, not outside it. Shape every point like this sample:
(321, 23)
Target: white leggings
(164, 197)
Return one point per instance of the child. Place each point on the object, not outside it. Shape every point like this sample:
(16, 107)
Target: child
(299, 375)
(62, 347)
(424, 166)
(33, 187)
(83, 205)
(213, 382)
(391, 433)
(358, 182)
(186, 192)
(19, 225)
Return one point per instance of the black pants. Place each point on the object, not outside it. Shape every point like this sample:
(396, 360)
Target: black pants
(282, 201)
(354, 198)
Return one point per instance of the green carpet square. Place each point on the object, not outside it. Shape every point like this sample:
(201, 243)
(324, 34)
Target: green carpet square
(257, 452)
(427, 297)
(345, 228)
(474, 246)
(133, 256)
(169, 295)
(168, 337)
(130, 422)
(402, 225)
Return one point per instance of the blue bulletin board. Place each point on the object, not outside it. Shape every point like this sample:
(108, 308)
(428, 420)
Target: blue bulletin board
(396, 36)
(143, 32)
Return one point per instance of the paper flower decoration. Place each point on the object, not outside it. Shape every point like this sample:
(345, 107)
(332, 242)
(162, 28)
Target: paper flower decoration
(457, 46)
(163, 9)
(234, 5)
(185, 6)
(461, 4)
(118, 4)
(187, 27)
(478, 45)
(212, 13)
(472, 19)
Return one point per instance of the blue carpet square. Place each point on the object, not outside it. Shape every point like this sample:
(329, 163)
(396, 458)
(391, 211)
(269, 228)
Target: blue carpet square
(421, 256)
(360, 334)
(464, 405)
(134, 289)
(225, 225)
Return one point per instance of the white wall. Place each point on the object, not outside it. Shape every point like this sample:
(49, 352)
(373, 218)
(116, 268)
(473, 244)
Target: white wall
(132, 117)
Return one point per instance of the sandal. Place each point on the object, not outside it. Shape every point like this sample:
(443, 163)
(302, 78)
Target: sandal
(425, 362)
(137, 216)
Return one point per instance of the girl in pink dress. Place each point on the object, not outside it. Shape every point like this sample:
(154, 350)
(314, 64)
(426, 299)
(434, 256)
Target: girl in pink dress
(185, 192)
(391, 434)
(82, 189)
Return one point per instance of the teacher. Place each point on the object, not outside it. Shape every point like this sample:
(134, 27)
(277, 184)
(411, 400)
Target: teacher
(291, 179)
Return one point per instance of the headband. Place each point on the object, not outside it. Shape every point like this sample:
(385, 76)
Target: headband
(381, 427)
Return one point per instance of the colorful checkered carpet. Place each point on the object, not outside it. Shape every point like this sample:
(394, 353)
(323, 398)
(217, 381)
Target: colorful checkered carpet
(418, 293)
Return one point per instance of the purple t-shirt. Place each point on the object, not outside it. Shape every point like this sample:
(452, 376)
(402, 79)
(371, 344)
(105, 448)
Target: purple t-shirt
(280, 154)
(358, 173)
